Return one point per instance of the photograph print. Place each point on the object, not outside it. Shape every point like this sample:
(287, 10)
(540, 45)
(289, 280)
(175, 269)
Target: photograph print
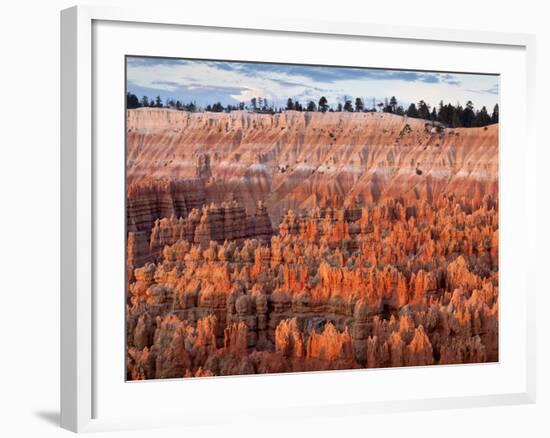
(293, 218)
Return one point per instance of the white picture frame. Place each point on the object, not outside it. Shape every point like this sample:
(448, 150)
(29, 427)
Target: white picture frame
(79, 217)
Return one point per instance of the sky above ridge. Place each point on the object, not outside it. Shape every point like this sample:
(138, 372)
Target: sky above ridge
(207, 82)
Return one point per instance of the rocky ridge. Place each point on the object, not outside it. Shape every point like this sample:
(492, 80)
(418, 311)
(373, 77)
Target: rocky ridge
(307, 241)
(299, 160)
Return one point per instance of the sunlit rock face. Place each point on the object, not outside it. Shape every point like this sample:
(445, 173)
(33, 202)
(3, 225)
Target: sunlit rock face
(299, 241)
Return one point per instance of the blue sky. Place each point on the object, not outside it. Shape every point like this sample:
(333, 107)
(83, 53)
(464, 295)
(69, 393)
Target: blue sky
(231, 82)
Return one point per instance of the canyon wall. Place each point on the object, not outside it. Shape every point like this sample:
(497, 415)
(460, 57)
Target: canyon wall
(298, 160)
(307, 241)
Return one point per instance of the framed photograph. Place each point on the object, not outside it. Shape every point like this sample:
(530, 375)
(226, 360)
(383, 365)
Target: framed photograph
(266, 218)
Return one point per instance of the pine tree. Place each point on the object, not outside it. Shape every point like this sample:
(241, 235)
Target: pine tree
(494, 117)
(456, 116)
(423, 110)
(290, 105)
(443, 114)
(323, 104)
(359, 105)
(393, 104)
(482, 117)
(132, 101)
(468, 116)
(412, 111)
(217, 107)
(348, 106)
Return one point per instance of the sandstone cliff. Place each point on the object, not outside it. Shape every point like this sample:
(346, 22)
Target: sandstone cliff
(308, 241)
(297, 160)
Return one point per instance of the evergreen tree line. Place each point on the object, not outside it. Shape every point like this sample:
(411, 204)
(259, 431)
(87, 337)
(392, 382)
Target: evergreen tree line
(448, 114)
(133, 102)
(453, 115)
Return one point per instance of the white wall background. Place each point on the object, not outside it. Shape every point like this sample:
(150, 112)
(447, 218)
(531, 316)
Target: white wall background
(29, 214)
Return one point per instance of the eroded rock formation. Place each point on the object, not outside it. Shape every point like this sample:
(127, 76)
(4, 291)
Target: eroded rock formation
(381, 290)
(302, 241)
(298, 160)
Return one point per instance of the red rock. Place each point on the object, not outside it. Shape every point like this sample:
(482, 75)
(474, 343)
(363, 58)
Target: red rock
(372, 268)
(419, 351)
(288, 339)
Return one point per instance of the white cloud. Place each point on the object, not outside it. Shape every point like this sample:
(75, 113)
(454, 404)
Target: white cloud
(251, 80)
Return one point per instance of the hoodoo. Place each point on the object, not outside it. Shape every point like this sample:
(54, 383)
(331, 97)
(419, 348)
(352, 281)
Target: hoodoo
(298, 241)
